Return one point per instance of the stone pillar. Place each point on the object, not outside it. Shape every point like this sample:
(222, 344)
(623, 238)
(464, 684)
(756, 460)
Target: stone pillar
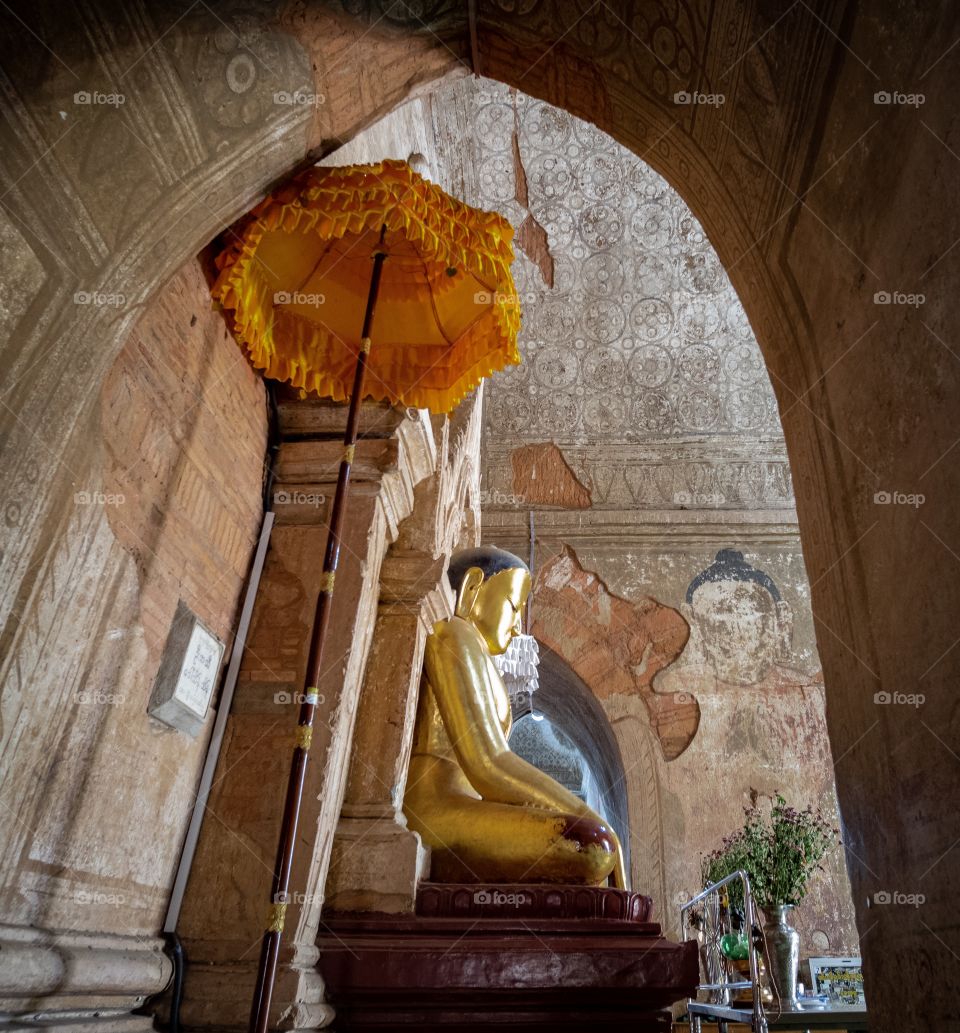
(377, 861)
(227, 897)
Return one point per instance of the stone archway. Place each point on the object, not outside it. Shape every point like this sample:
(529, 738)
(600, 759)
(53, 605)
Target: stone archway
(571, 708)
(104, 203)
(616, 648)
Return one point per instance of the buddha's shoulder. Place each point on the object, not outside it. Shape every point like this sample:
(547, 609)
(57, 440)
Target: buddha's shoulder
(456, 633)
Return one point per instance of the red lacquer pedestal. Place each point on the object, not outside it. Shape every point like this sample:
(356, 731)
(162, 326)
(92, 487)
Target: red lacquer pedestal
(513, 957)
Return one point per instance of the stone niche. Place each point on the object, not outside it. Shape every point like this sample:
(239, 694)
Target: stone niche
(706, 699)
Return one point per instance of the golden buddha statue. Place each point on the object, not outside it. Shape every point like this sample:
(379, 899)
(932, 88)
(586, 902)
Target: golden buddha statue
(486, 814)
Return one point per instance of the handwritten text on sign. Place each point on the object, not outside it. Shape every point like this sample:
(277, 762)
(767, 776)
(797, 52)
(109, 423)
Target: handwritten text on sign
(199, 671)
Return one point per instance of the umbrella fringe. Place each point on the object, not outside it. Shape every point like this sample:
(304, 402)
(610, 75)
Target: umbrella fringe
(336, 202)
(320, 363)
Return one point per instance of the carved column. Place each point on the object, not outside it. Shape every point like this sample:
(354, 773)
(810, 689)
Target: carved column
(377, 861)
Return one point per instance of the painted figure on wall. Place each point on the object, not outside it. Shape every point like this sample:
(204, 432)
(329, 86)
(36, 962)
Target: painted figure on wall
(739, 624)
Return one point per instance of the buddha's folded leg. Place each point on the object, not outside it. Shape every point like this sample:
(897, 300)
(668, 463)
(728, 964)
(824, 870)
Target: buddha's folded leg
(474, 840)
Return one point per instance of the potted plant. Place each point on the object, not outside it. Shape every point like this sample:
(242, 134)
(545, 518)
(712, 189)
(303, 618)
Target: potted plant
(779, 848)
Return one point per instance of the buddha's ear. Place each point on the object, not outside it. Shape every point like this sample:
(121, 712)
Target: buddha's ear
(469, 589)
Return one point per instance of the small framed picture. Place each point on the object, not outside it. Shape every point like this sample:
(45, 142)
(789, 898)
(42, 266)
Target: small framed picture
(841, 979)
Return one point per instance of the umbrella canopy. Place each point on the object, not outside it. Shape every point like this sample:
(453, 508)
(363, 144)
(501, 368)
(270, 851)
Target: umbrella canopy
(298, 273)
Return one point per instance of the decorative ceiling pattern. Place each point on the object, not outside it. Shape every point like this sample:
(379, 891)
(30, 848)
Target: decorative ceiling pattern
(642, 334)
(641, 340)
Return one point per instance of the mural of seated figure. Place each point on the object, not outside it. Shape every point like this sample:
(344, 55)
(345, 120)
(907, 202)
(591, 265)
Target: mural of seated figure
(486, 814)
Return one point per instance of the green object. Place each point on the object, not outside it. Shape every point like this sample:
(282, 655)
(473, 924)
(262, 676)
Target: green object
(734, 946)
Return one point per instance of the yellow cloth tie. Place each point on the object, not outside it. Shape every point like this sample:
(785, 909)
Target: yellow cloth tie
(304, 736)
(327, 581)
(349, 452)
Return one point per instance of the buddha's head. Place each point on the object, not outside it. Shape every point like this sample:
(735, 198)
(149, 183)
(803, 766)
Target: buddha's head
(492, 586)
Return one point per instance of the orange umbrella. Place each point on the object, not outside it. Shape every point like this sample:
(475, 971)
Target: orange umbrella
(299, 273)
(440, 313)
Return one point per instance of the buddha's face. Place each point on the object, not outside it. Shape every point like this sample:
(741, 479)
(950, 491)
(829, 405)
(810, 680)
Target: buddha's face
(498, 606)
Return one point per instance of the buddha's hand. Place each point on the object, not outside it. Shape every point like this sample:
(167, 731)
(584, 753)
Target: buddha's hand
(589, 831)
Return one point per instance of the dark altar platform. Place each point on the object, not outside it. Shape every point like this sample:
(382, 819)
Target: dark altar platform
(514, 957)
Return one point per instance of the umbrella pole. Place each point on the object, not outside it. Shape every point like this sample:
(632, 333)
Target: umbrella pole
(279, 893)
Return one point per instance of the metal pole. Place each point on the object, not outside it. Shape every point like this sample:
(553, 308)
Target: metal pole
(533, 540)
(270, 947)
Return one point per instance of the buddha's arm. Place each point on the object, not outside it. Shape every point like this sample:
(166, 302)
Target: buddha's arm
(460, 679)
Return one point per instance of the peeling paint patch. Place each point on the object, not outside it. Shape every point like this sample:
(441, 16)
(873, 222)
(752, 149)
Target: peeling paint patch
(533, 241)
(522, 193)
(616, 646)
(543, 477)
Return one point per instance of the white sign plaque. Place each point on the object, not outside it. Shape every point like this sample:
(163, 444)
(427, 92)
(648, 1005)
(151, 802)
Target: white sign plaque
(188, 674)
(198, 674)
